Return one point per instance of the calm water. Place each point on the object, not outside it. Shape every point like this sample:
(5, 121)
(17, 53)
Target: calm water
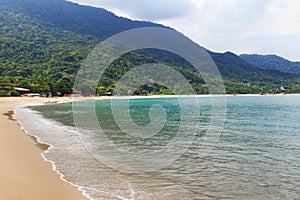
(257, 156)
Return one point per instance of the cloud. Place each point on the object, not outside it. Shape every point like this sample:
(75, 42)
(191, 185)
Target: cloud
(145, 9)
(241, 26)
(244, 26)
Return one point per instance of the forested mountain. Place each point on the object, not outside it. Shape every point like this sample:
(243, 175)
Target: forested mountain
(43, 43)
(73, 17)
(242, 77)
(272, 62)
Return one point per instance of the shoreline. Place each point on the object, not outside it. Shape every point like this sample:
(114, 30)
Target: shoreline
(174, 96)
(24, 173)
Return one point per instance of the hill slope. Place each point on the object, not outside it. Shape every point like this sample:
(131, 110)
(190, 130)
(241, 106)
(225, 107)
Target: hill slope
(76, 18)
(272, 62)
(43, 43)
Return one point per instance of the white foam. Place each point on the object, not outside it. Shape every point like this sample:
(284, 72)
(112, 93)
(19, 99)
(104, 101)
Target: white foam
(76, 166)
(24, 116)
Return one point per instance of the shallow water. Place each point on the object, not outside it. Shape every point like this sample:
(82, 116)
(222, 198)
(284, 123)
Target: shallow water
(257, 155)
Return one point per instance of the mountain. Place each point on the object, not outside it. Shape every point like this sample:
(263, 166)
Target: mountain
(272, 62)
(73, 17)
(240, 76)
(43, 43)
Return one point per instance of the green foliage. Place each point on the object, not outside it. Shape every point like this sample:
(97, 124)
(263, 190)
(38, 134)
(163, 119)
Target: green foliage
(39, 55)
(272, 62)
(43, 44)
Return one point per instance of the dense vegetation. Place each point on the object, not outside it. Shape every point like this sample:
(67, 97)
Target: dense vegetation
(272, 62)
(43, 43)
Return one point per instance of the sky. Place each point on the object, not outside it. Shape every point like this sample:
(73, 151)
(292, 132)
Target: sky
(240, 26)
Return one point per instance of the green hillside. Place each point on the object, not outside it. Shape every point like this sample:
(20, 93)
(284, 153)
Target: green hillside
(272, 62)
(242, 77)
(43, 43)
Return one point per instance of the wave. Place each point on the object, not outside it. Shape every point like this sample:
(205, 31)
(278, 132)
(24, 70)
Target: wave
(74, 164)
(35, 125)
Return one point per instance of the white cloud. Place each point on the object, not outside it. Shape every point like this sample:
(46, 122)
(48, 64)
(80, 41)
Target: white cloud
(244, 26)
(241, 26)
(285, 16)
(145, 9)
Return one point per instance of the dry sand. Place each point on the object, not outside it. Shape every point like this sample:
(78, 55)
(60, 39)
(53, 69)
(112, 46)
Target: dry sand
(24, 175)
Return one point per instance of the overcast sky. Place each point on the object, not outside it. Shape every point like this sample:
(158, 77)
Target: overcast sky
(240, 26)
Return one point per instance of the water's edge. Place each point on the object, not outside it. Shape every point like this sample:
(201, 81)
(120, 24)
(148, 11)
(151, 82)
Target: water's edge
(51, 147)
(256, 156)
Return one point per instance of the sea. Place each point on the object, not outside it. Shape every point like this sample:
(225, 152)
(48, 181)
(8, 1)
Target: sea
(173, 148)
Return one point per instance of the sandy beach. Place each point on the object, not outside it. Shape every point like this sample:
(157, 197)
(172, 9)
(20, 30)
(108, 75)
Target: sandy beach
(24, 174)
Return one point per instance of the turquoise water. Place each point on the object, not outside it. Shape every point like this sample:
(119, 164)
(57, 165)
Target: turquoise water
(257, 155)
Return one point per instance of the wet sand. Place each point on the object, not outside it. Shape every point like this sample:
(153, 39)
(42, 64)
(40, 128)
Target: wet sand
(24, 174)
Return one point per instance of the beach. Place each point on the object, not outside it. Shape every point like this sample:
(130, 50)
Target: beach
(24, 174)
